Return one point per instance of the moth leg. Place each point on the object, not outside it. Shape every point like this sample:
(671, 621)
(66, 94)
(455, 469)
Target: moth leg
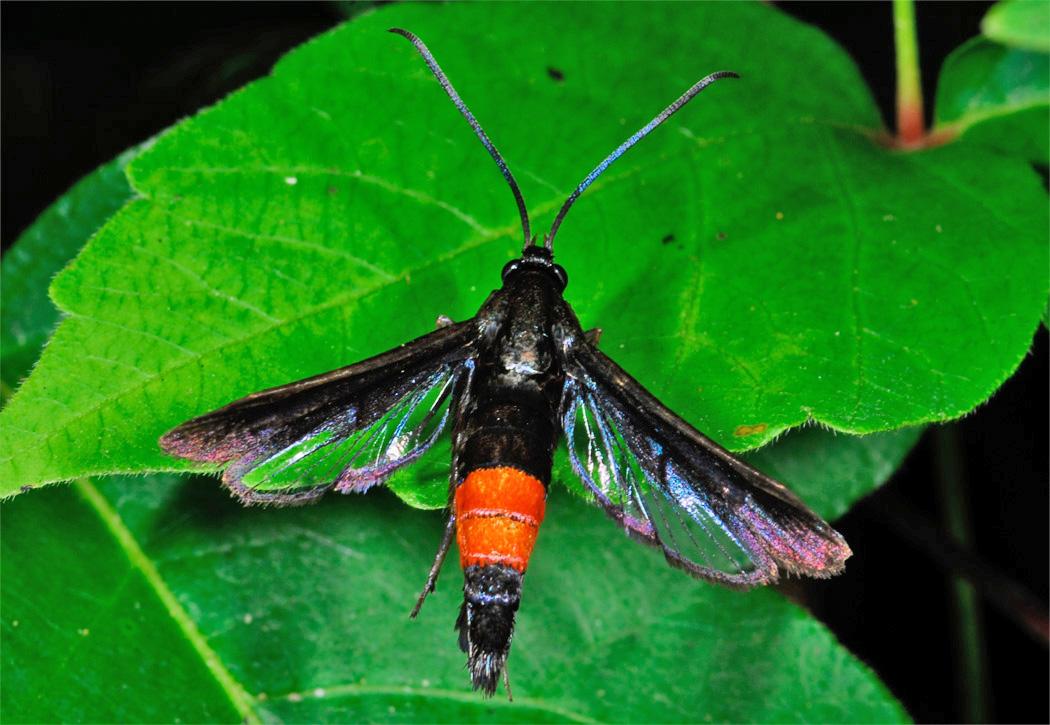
(444, 321)
(593, 335)
(506, 683)
(439, 559)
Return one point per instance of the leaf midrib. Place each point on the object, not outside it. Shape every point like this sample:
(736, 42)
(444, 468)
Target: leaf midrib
(433, 693)
(242, 702)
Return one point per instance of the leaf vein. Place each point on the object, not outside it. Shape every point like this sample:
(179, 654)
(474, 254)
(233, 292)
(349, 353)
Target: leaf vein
(203, 284)
(430, 693)
(357, 175)
(139, 561)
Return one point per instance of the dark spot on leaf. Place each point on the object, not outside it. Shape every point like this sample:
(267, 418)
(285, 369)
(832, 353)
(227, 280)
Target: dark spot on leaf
(720, 236)
(555, 74)
(667, 238)
(26, 488)
(332, 191)
(750, 430)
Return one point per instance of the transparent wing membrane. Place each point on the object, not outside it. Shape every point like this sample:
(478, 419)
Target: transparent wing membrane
(648, 495)
(349, 454)
(669, 485)
(347, 429)
(696, 527)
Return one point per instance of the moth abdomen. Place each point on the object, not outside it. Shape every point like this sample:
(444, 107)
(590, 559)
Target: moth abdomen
(498, 516)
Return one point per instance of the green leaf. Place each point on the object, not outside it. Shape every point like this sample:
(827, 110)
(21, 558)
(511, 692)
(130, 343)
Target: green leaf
(42, 250)
(1019, 24)
(332, 210)
(127, 630)
(996, 97)
(94, 636)
(150, 619)
(831, 472)
(180, 604)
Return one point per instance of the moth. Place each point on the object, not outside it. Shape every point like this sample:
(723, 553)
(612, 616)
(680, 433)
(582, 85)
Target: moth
(512, 382)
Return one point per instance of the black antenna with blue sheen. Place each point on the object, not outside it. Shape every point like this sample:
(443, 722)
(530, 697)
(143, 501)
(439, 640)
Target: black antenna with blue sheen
(638, 136)
(478, 130)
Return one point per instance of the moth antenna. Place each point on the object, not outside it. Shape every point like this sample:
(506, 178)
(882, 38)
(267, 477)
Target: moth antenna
(478, 130)
(638, 136)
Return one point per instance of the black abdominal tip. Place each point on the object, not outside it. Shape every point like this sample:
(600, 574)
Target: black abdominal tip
(485, 669)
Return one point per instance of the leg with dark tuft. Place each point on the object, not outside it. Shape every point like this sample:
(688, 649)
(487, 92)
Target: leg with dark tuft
(491, 595)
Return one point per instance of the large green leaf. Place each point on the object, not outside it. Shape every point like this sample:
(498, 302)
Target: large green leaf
(147, 635)
(811, 274)
(331, 211)
(180, 605)
(996, 97)
(138, 644)
(168, 548)
(1019, 24)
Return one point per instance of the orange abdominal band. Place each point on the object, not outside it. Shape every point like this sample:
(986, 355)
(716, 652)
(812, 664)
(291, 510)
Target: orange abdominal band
(498, 514)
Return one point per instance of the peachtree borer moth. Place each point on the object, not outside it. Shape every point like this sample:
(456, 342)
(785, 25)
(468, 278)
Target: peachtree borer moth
(513, 381)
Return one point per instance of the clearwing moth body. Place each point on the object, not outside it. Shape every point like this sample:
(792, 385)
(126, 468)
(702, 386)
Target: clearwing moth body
(513, 381)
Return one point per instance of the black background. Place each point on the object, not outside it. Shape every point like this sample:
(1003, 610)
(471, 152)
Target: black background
(84, 81)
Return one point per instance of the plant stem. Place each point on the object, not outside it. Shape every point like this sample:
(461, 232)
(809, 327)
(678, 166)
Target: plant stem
(969, 630)
(910, 125)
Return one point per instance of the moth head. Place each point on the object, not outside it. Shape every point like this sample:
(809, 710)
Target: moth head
(536, 258)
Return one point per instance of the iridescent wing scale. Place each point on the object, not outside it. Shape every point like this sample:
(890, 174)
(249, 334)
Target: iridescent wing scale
(670, 486)
(346, 430)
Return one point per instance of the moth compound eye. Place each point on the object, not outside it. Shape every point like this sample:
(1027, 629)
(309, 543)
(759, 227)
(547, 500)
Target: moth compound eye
(562, 275)
(510, 267)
